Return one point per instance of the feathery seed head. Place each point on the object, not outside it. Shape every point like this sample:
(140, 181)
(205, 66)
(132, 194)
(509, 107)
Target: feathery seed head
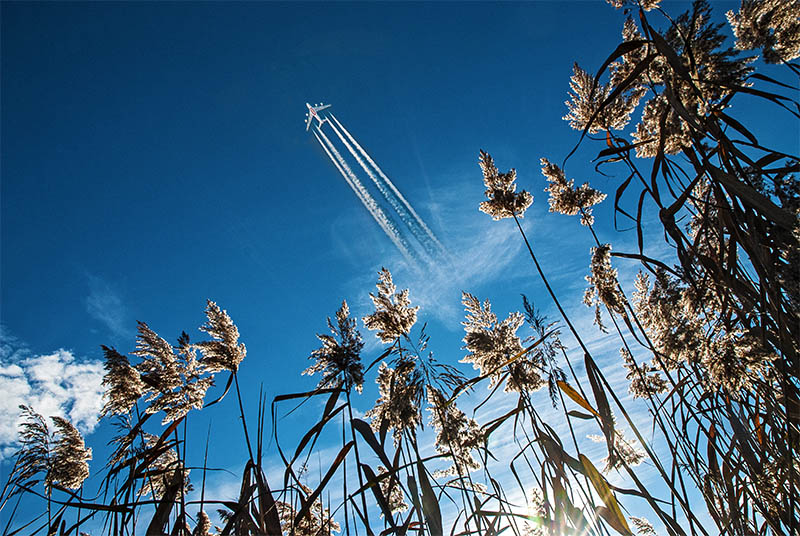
(34, 455)
(398, 405)
(123, 385)
(565, 198)
(203, 524)
(223, 352)
(643, 526)
(491, 343)
(603, 286)
(159, 365)
(393, 317)
(771, 25)
(390, 487)
(69, 462)
(621, 451)
(317, 522)
(734, 360)
(177, 383)
(61, 456)
(644, 378)
(646, 5)
(456, 435)
(163, 471)
(502, 202)
(585, 104)
(339, 357)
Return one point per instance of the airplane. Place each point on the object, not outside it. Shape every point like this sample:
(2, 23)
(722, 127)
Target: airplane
(312, 113)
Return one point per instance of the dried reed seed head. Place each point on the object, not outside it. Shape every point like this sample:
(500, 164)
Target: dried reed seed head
(771, 25)
(159, 365)
(69, 462)
(61, 455)
(393, 317)
(318, 521)
(163, 470)
(621, 69)
(392, 492)
(675, 131)
(585, 110)
(339, 357)
(644, 378)
(734, 361)
(123, 440)
(502, 202)
(33, 457)
(646, 5)
(713, 69)
(524, 376)
(456, 435)
(564, 198)
(491, 343)
(621, 451)
(123, 385)
(643, 526)
(699, 44)
(203, 524)
(536, 509)
(398, 405)
(671, 320)
(685, 326)
(603, 285)
(224, 352)
(177, 383)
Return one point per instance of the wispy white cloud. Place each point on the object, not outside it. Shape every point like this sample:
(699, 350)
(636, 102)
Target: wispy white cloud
(52, 384)
(479, 252)
(105, 305)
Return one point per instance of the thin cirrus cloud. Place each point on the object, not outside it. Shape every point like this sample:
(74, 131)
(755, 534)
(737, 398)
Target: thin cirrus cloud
(53, 384)
(478, 251)
(105, 305)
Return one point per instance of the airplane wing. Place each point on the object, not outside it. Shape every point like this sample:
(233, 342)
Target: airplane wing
(312, 113)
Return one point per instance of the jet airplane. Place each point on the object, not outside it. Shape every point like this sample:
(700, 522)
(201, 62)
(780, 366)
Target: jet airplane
(312, 113)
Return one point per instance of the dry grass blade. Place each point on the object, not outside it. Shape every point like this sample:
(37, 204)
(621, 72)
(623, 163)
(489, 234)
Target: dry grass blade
(613, 514)
(430, 504)
(576, 397)
(160, 521)
(309, 501)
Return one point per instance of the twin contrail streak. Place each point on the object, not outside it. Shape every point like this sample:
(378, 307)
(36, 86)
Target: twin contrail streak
(363, 195)
(376, 181)
(424, 246)
(395, 198)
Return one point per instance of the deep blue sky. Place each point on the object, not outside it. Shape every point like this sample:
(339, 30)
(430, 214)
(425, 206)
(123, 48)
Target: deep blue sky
(154, 155)
(158, 150)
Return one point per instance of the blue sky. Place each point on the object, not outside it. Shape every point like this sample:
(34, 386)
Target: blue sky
(154, 155)
(157, 151)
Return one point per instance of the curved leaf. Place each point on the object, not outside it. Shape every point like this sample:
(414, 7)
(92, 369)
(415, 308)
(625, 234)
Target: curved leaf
(612, 512)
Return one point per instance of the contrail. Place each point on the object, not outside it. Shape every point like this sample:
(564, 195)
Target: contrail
(400, 212)
(364, 196)
(415, 221)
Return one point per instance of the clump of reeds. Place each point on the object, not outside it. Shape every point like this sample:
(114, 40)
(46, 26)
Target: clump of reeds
(708, 343)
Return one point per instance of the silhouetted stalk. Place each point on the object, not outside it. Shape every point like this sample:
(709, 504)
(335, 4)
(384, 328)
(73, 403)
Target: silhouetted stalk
(411, 439)
(344, 483)
(549, 289)
(241, 414)
(144, 448)
(358, 458)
